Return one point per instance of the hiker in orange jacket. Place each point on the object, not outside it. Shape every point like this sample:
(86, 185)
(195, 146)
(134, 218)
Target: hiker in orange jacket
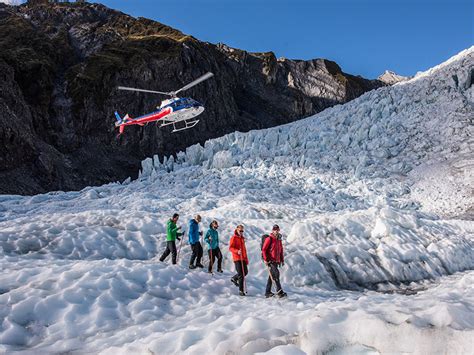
(239, 255)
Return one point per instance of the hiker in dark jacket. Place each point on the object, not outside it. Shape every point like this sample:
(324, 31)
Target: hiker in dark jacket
(272, 252)
(196, 246)
(212, 240)
(239, 255)
(172, 233)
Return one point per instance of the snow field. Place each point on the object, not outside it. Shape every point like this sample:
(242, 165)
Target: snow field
(123, 306)
(374, 199)
(351, 245)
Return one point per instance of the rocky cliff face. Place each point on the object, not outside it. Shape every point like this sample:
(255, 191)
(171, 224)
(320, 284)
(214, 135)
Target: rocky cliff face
(59, 68)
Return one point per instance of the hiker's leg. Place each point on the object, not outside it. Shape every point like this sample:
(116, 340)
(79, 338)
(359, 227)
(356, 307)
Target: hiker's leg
(219, 258)
(199, 252)
(165, 253)
(172, 247)
(276, 276)
(269, 285)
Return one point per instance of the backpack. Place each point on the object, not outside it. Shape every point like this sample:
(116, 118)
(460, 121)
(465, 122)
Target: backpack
(265, 236)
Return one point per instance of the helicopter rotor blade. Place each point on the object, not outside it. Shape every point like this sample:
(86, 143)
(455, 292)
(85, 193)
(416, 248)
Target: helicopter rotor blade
(195, 82)
(143, 90)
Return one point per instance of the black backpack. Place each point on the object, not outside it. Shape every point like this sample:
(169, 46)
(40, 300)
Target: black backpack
(265, 236)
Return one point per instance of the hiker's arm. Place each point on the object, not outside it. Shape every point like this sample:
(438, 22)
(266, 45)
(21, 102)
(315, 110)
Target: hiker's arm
(233, 246)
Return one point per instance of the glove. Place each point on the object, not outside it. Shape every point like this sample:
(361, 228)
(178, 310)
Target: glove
(200, 233)
(178, 238)
(282, 263)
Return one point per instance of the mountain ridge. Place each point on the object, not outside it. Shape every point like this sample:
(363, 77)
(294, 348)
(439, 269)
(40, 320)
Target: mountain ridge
(62, 62)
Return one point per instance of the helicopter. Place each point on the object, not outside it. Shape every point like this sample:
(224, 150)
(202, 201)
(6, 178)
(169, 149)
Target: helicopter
(170, 112)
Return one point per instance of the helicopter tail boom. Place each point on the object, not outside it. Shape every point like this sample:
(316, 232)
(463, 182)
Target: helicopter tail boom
(121, 122)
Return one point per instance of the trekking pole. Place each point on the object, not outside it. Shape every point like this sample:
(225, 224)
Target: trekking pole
(179, 249)
(243, 275)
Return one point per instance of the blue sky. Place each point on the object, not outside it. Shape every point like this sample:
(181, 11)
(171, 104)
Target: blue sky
(363, 36)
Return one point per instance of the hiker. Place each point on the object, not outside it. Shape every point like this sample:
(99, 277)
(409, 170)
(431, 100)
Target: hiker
(212, 240)
(172, 233)
(196, 246)
(272, 253)
(239, 255)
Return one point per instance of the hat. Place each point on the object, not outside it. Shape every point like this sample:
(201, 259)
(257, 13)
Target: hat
(276, 228)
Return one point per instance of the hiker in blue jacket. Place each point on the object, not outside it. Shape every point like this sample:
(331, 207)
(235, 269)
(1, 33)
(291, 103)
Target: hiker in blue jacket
(196, 246)
(212, 240)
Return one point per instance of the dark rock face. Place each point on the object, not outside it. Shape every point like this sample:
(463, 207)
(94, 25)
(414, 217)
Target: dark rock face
(60, 65)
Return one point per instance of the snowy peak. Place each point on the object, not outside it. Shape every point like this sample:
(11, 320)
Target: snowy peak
(390, 77)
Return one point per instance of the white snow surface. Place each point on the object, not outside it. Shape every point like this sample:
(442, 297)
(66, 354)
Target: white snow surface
(375, 201)
(12, 2)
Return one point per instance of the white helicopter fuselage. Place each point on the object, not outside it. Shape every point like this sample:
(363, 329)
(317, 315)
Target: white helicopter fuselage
(182, 109)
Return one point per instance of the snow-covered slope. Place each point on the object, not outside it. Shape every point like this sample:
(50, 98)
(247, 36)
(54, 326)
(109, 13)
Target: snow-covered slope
(374, 195)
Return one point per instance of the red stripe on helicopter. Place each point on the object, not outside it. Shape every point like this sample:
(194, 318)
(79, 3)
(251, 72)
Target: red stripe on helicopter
(148, 118)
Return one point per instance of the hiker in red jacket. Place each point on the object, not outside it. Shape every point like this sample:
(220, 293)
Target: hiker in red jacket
(272, 253)
(239, 255)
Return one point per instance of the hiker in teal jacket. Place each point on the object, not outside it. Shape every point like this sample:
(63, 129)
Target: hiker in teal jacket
(172, 233)
(212, 240)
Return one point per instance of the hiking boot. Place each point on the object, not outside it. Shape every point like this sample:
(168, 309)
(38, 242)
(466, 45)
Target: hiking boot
(220, 270)
(234, 281)
(192, 266)
(282, 294)
(242, 293)
(269, 294)
(209, 272)
(200, 265)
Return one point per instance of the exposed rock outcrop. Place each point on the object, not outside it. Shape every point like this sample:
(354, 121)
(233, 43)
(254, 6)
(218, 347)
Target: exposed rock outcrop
(60, 65)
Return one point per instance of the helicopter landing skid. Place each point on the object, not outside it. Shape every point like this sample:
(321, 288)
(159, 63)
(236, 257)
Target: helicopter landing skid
(188, 124)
